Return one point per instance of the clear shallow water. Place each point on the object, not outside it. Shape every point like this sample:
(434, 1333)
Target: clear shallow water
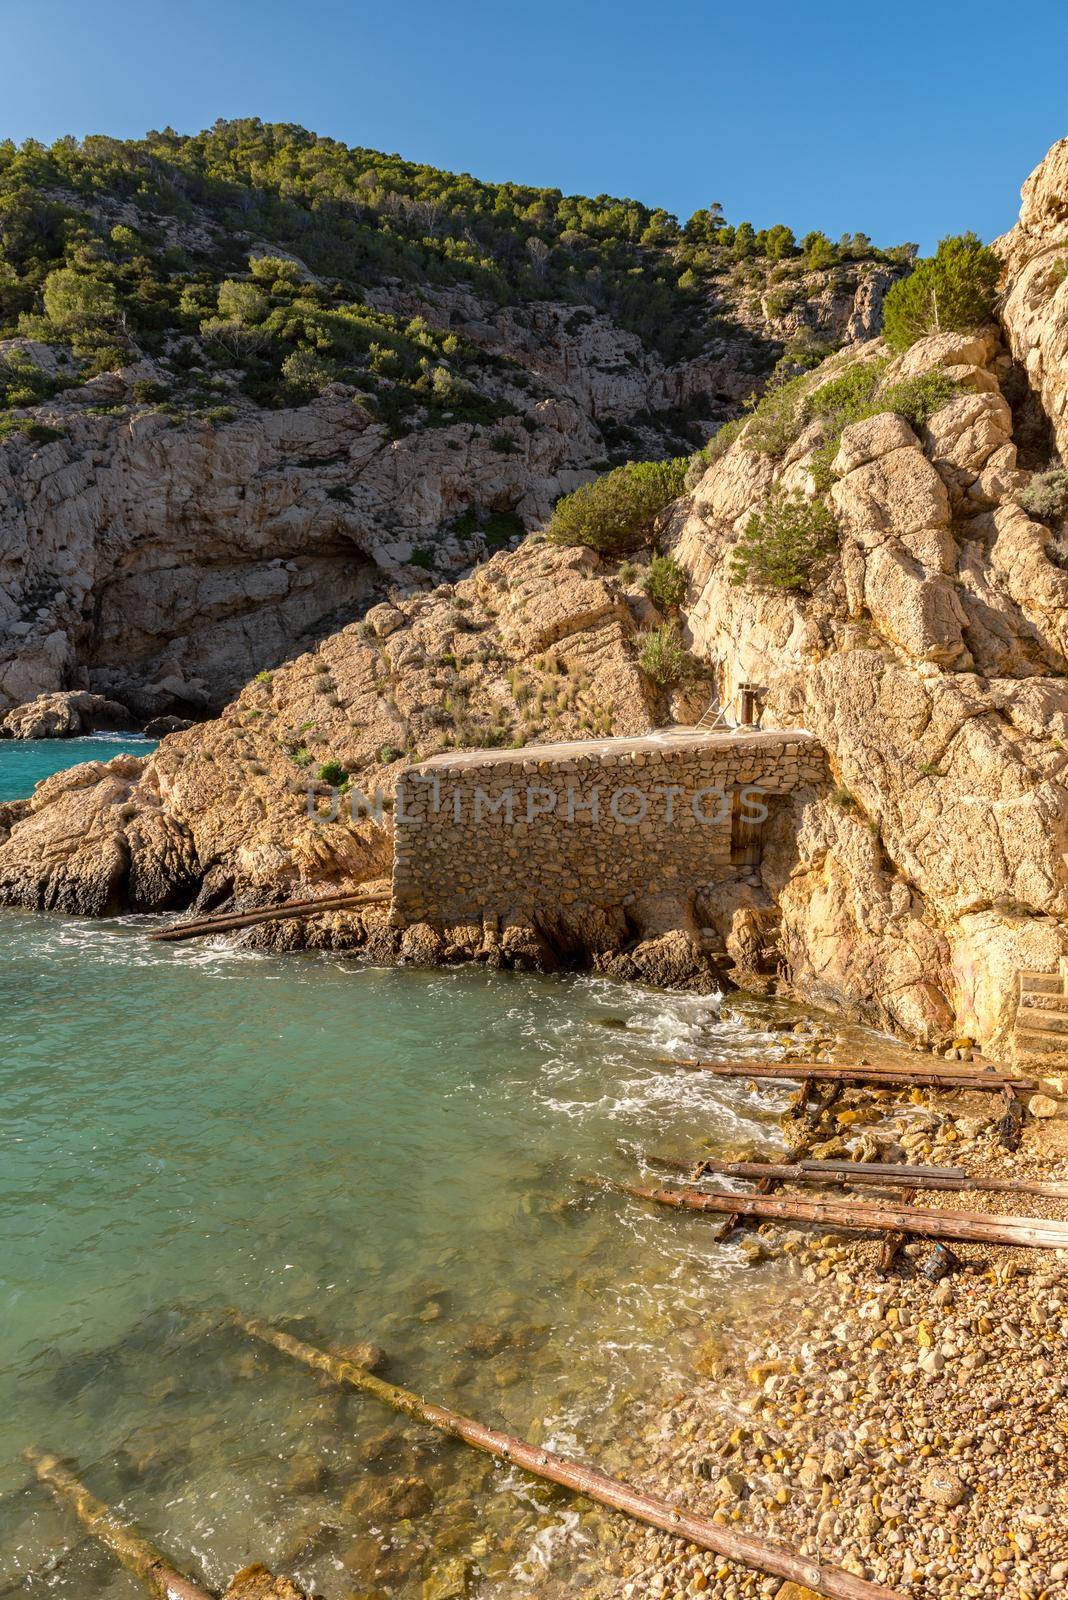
(385, 1155)
(24, 762)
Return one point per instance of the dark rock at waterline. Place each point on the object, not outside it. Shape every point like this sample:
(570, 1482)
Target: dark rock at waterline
(363, 1353)
(160, 727)
(611, 1022)
(391, 1499)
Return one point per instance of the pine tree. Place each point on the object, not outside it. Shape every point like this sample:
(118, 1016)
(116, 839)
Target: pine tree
(947, 292)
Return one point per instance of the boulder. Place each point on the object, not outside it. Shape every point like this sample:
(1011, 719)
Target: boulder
(64, 715)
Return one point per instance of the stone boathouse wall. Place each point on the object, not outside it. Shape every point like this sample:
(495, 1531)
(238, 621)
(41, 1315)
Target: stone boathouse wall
(549, 830)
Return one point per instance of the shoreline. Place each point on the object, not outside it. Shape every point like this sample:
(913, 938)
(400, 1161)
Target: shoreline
(913, 1432)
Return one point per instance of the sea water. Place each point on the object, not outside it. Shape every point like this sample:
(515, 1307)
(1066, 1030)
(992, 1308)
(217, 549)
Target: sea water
(24, 762)
(359, 1154)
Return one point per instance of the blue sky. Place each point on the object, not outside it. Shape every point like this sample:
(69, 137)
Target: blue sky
(906, 122)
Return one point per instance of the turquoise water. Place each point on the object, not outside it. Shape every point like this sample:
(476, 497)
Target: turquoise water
(389, 1155)
(24, 762)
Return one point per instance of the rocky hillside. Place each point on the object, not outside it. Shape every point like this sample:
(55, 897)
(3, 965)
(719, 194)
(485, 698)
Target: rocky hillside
(537, 644)
(251, 380)
(883, 547)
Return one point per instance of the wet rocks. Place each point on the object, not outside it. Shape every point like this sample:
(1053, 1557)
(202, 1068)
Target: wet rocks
(392, 1499)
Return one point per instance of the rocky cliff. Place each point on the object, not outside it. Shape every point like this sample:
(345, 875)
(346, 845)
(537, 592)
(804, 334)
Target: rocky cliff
(930, 664)
(162, 560)
(1035, 308)
(255, 379)
(929, 656)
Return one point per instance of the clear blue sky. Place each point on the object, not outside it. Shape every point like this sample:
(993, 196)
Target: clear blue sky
(906, 121)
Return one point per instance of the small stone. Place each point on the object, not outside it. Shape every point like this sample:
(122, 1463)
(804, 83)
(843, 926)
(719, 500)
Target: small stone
(449, 1581)
(363, 1354)
(732, 1486)
(306, 1475)
(1041, 1105)
(943, 1487)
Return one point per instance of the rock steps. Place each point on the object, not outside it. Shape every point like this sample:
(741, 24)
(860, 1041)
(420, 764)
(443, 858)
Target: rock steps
(1040, 1037)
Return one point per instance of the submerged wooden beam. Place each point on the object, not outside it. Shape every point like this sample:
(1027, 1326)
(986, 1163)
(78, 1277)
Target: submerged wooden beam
(121, 1538)
(860, 1173)
(879, 1077)
(546, 1464)
(972, 1227)
(225, 922)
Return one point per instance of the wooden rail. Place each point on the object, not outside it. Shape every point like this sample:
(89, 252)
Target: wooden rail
(546, 1464)
(226, 921)
(847, 1173)
(120, 1537)
(969, 1227)
(929, 1077)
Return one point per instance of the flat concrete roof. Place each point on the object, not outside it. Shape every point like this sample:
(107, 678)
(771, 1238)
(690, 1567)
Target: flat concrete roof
(628, 744)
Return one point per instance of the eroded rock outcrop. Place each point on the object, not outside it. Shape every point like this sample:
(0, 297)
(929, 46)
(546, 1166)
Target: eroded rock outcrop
(64, 715)
(165, 565)
(930, 665)
(1035, 304)
(162, 556)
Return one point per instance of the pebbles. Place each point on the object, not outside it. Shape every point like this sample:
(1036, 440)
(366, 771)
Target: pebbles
(914, 1432)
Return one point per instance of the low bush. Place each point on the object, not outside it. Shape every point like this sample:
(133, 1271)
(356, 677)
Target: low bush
(786, 545)
(950, 291)
(662, 656)
(665, 582)
(615, 513)
(778, 417)
(26, 428)
(333, 773)
(1046, 496)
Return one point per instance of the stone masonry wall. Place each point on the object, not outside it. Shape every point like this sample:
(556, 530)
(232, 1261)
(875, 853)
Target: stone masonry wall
(594, 824)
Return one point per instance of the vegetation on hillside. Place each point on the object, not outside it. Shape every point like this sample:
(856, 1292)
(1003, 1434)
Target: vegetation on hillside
(250, 249)
(786, 544)
(615, 513)
(951, 291)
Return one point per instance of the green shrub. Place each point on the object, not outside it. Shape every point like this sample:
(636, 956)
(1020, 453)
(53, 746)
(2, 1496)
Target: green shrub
(785, 545)
(333, 773)
(389, 753)
(662, 656)
(241, 302)
(778, 417)
(950, 291)
(1046, 496)
(615, 513)
(35, 432)
(665, 582)
(23, 382)
(146, 390)
(917, 399)
(76, 303)
(845, 398)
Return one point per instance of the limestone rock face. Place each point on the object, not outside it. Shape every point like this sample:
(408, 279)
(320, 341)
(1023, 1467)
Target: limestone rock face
(163, 560)
(227, 544)
(1035, 309)
(930, 664)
